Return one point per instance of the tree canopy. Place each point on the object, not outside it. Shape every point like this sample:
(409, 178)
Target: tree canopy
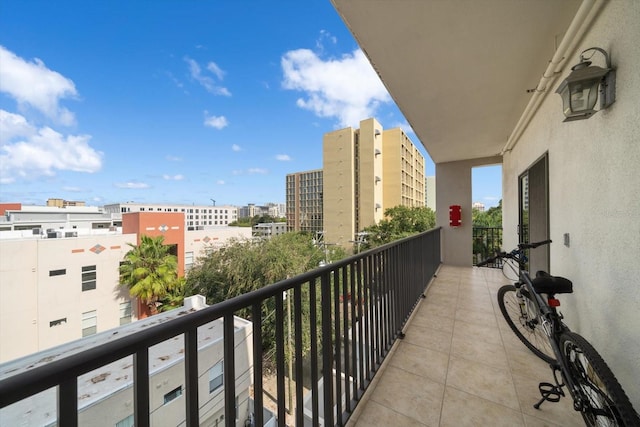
(492, 217)
(400, 222)
(150, 271)
(257, 219)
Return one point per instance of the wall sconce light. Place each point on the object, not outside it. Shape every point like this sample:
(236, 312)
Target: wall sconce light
(579, 91)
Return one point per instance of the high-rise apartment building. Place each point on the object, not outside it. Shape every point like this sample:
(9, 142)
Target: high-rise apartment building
(366, 171)
(304, 201)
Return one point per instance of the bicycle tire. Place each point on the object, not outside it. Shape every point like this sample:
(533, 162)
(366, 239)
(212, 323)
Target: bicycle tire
(603, 401)
(529, 331)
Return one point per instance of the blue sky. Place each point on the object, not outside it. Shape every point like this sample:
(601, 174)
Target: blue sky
(179, 101)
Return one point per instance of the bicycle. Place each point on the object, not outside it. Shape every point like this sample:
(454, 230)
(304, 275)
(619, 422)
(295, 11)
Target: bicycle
(531, 310)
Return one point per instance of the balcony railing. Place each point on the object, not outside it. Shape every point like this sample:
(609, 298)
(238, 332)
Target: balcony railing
(356, 309)
(486, 241)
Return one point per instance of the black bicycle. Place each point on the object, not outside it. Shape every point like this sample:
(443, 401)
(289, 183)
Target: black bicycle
(530, 308)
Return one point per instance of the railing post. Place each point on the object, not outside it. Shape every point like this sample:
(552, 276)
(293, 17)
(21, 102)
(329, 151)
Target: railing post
(327, 351)
(229, 372)
(191, 377)
(68, 403)
(141, 387)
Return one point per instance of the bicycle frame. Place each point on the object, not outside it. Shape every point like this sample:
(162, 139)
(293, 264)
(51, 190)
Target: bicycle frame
(553, 327)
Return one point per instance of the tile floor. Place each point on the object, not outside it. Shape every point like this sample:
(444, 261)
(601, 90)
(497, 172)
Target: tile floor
(460, 364)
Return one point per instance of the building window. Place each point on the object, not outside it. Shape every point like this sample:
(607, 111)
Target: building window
(173, 394)
(125, 312)
(216, 376)
(88, 277)
(188, 260)
(57, 322)
(60, 272)
(89, 323)
(127, 422)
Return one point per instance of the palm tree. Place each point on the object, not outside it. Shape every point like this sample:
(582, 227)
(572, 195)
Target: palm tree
(150, 271)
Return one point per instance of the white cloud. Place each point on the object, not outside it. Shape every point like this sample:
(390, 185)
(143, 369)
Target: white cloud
(260, 171)
(347, 89)
(31, 152)
(220, 182)
(132, 185)
(33, 84)
(283, 157)
(173, 177)
(173, 158)
(206, 81)
(236, 147)
(217, 122)
(73, 189)
(213, 67)
(405, 126)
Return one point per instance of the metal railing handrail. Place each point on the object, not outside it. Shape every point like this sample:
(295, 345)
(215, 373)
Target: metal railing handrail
(16, 387)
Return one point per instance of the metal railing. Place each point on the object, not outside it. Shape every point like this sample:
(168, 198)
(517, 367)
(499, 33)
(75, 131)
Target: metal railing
(486, 241)
(356, 309)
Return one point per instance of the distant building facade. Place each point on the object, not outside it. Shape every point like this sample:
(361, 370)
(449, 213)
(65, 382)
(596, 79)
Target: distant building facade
(366, 171)
(105, 394)
(195, 217)
(269, 229)
(61, 203)
(430, 192)
(58, 286)
(478, 206)
(304, 195)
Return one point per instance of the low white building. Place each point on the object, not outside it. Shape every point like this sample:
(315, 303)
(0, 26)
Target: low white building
(195, 217)
(105, 396)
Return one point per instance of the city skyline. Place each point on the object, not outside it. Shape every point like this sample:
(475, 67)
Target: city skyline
(179, 102)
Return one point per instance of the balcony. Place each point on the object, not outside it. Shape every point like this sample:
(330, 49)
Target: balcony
(447, 359)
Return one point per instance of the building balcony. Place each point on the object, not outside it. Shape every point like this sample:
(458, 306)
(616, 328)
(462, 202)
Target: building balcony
(400, 345)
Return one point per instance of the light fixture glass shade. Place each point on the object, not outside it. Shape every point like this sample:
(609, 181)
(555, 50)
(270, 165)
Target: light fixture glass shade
(579, 91)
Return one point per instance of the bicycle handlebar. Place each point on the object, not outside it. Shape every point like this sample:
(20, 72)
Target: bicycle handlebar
(533, 245)
(512, 254)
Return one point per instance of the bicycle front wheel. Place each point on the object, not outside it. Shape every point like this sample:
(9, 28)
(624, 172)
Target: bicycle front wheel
(523, 319)
(597, 392)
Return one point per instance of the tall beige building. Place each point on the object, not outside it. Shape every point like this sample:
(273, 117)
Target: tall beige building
(366, 171)
(304, 201)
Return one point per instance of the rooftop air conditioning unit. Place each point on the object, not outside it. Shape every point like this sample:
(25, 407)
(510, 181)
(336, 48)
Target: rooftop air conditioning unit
(113, 228)
(36, 231)
(71, 234)
(51, 234)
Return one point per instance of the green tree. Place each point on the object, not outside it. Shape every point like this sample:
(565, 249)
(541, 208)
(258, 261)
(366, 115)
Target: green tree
(399, 222)
(492, 217)
(150, 271)
(246, 265)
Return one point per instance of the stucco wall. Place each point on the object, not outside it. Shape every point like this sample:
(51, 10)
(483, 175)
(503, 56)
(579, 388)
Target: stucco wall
(594, 177)
(453, 186)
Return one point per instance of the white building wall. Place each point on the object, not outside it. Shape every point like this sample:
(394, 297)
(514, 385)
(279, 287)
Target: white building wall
(30, 298)
(594, 177)
(198, 242)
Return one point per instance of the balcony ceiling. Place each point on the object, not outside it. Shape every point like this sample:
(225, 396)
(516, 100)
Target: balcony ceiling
(459, 70)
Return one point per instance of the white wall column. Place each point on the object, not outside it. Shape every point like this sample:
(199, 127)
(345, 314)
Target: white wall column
(453, 187)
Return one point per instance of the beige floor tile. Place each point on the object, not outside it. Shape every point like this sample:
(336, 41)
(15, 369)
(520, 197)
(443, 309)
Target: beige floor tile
(474, 331)
(481, 302)
(426, 317)
(524, 362)
(421, 361)
(377, 415)
(439, 309)
(479, 351)
(484, 381)
(461, 409)
(428, 338)
(412, 395)
(476, 316)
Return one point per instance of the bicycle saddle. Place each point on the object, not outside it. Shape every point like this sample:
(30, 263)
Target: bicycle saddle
(545, 283)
